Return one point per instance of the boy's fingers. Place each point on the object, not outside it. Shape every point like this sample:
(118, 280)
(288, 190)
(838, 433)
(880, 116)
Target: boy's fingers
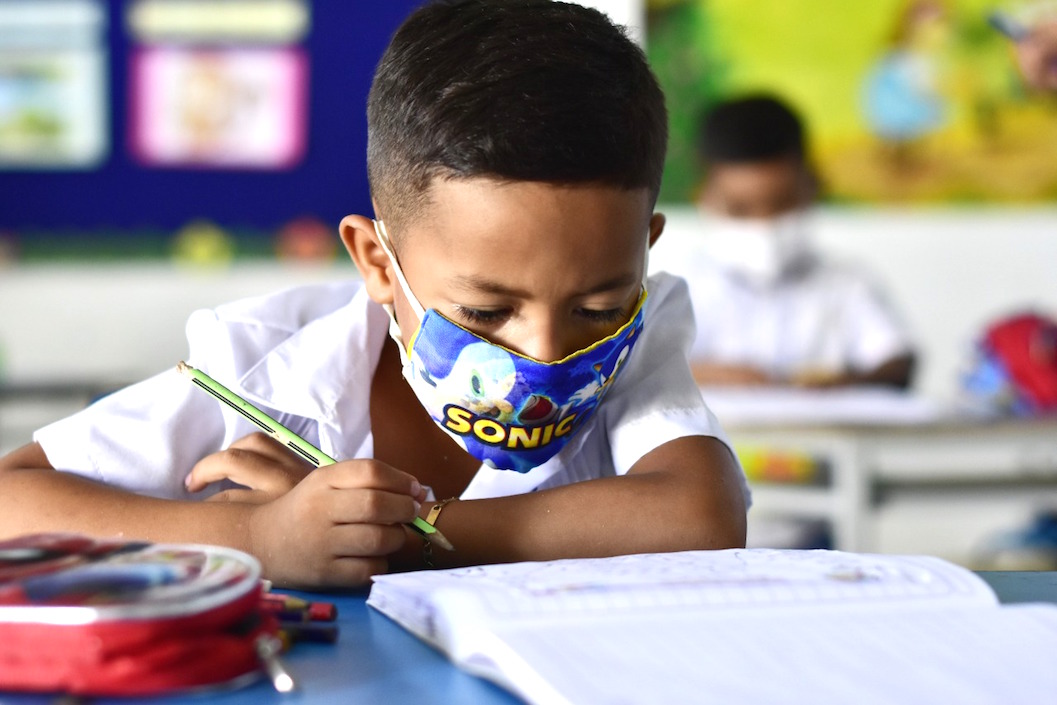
(240, 465)
(265, 446)
(370, 507)
(370, 474)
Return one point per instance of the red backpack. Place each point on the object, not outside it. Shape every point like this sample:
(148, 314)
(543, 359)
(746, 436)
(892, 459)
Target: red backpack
(1016, 365)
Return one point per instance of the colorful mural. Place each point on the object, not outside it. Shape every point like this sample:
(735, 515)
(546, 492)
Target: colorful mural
(906, 101)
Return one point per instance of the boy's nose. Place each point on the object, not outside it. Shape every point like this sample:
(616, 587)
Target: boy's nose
(549, 342)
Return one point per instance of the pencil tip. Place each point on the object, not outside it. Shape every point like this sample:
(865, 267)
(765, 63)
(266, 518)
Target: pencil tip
(441, 540)
(183, 367)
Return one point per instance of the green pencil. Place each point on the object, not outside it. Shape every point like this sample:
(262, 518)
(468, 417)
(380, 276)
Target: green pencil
(291, 440)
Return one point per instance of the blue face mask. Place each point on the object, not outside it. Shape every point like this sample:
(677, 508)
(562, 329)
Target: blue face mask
(509, 411)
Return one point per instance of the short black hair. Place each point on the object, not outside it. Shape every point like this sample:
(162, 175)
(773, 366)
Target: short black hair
(751, 128)
(516, 90)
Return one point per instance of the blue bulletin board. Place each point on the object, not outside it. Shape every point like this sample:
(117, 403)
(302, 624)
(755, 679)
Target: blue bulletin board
(119, 194)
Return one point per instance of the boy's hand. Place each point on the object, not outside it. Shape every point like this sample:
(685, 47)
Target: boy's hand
(337, 526)
(726, 375)
(258, 462)
(813, 378)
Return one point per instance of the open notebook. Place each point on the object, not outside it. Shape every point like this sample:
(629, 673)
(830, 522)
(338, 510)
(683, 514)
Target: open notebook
(741, 625)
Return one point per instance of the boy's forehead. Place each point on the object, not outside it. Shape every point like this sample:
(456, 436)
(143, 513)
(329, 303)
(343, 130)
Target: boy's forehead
(776, 168)
(466, 205)
(528, 225)
(783, 172)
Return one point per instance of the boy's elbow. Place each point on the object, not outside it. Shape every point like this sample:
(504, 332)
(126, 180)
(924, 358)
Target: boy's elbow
(706, 502)
(729, 534)
(718, 521)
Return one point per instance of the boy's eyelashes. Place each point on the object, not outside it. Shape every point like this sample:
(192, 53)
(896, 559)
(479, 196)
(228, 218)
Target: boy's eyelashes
(609, 315)
(495, 316)
(482, 316)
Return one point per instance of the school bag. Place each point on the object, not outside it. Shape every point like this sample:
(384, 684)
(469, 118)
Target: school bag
(1014, 365)
(87, 617)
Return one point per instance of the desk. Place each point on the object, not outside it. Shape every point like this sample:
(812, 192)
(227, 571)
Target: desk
(376, 661)
(877, 444)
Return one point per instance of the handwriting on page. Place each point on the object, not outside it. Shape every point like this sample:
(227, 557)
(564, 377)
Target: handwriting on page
(703, 578)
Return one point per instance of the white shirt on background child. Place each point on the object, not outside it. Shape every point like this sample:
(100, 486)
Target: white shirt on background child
(820, 316)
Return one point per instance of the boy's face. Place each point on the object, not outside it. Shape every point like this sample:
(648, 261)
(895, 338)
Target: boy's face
(757, 190)
(541, 269)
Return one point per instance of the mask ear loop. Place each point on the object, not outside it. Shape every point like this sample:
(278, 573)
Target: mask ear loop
(646, 265)
(383, 238)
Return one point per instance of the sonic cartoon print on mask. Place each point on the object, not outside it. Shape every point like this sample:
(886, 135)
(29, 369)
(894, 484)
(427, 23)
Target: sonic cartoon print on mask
(509, 411)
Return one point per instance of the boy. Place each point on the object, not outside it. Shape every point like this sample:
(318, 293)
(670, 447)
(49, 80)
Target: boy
(514, 155)
(769, 310)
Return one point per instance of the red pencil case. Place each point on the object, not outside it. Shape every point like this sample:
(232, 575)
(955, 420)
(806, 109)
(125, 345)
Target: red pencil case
(96, 617)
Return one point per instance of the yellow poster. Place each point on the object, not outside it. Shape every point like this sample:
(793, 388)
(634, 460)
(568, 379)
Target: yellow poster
(905, 101)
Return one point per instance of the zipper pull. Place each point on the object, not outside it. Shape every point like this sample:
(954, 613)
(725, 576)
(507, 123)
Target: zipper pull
(268, 648)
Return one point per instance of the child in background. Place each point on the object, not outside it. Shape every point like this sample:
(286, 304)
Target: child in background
(504, 347)
(1037, 54)
(771, 310)
(1033, 28)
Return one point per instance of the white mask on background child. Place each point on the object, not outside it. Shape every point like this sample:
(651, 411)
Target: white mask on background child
(760, 250)
(510, 411)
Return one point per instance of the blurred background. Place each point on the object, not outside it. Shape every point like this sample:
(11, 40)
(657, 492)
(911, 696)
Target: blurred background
(157, 156)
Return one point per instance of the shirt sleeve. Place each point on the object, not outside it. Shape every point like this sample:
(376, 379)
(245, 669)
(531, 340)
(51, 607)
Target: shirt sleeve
(657, 399)
(147, 437)
(876, 332)
(144, 438)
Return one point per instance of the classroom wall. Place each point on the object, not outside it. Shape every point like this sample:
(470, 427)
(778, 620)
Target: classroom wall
(949, 271)
(121, 322)
(122, 196)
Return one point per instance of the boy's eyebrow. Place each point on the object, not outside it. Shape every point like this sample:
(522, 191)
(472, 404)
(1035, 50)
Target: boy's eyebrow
(481, 285)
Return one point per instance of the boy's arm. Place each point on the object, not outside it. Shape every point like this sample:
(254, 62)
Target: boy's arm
(334, 529)
(894, 372)
(727, 375)
(685, 494)
(36, 498)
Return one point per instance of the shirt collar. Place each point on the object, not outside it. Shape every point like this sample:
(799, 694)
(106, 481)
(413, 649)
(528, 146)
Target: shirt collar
(323, 372)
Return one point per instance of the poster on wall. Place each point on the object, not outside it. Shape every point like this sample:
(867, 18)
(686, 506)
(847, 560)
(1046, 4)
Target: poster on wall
(905, 101)
(53, 84)
(218, 85)
(230, 108)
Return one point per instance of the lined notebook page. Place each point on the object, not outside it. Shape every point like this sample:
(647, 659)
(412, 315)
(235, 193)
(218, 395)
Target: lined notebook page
(681, 582)
(735, 626)
(965, 656)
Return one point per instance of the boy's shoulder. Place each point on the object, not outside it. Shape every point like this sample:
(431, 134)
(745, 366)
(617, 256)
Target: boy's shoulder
(664, 286)
(289, 309)
(236, 336)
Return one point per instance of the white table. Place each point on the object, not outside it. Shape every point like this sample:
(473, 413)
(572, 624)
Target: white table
(877, 443)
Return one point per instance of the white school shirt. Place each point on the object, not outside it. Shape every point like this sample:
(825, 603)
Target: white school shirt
(307, 356)
(824, 317)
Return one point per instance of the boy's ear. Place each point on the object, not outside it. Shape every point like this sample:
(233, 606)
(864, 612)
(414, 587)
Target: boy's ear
(656, 227)
(361, 242)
